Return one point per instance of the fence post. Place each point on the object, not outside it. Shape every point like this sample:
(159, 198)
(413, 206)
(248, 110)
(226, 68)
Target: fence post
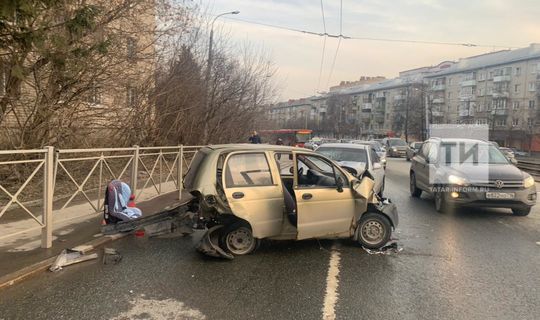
(134, 170)
(180, 171)
(48, 192)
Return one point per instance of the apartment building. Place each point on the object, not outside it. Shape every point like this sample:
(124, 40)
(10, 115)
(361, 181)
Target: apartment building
(499, 89)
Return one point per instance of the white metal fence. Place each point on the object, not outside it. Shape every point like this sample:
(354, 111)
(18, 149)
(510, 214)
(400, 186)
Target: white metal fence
(57, 180)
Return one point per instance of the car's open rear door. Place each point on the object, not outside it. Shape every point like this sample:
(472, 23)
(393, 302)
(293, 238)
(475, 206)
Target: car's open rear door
(254, 192)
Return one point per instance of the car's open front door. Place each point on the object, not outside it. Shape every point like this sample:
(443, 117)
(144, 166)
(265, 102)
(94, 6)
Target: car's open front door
(324, 209)
(253, 190)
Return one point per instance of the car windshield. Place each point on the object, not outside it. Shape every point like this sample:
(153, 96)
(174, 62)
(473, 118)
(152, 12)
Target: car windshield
(397, 143)
(474, 154)
(344, 154)
(417, 145)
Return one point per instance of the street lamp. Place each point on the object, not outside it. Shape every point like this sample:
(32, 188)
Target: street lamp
(209, 67)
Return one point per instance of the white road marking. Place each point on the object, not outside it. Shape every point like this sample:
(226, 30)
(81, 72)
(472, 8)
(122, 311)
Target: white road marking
(141, 308)
(332, 282)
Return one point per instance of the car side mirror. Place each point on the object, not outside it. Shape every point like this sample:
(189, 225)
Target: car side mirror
(339, 184)
(377, 165)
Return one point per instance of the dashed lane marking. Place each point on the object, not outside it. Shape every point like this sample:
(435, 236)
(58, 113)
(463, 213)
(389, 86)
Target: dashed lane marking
(332, 283)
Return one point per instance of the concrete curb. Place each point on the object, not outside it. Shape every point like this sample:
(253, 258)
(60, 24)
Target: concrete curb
(18, 276)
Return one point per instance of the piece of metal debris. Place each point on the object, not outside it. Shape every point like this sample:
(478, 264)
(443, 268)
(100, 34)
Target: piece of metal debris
(111, 256)
(390, 248)
(68, 257)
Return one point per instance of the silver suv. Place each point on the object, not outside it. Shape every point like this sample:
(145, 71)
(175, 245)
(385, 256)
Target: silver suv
(466, 172)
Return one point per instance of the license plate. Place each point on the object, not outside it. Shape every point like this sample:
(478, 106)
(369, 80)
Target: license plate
(500, 195)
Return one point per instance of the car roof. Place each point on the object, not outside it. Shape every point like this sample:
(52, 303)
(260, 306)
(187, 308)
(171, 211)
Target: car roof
(443, 140)
(251, 146)
(345, 145)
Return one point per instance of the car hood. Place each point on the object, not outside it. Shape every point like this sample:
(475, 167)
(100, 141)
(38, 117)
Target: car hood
(400, 148)
(474, 173)
(358, 166)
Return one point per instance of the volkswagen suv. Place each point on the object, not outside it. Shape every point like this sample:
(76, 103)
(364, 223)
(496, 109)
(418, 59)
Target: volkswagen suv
(467, 172)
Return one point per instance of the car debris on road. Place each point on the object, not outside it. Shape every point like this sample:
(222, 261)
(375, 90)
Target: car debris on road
(68, 257)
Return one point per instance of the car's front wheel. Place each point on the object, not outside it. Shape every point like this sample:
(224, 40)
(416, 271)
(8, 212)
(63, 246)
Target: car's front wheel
(521, 212)
(374, 230)
(237, 238)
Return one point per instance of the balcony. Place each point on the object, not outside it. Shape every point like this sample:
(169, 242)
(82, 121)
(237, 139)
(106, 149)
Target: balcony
(438, 87)
(399, 97)
(438, 100)
(467, 97)
(468, 83)
(466, 112)
(379, 95)
(366, 107)
(500, 94)
(504, 78)
(499, 112)
(437, 114)
(378, 117)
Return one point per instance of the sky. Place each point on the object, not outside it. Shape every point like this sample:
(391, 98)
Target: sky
(297, 56)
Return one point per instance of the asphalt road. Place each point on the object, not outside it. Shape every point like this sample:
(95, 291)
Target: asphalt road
(471, 264)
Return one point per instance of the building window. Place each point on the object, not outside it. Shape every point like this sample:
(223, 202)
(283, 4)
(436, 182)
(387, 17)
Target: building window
(515, 122)
(480, 92)
(531, 104)
(515, 105)
(517, 71)
(490, 90)
(481, 76)
(131, 46)
(500, 122)
(532, 86)
(516, 88)
(449, 80)
(530, 122)
(491, 75)
(131, 97)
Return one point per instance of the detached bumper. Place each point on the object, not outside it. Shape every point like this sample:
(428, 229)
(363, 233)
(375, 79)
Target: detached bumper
(389, 209)
(209, 244)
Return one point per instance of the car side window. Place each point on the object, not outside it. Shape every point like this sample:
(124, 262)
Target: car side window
(433, 153)
(247, 169)
(285, 163)
(374, 156)
(425, 150)
(314, 171)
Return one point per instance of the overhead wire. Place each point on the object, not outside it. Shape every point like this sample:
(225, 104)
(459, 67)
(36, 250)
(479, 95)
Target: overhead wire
(346, 37)
(338, 44)
(323, 48)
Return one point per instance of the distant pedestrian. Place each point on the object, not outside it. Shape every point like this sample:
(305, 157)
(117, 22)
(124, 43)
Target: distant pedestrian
(279, 142)
(255, 138)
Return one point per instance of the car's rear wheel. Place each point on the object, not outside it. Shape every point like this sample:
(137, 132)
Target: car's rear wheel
(238, 239)
(374, 230)
(415, 192)
(521, 212)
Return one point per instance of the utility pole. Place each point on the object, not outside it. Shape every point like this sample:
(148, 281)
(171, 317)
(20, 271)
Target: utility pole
(209, 71)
